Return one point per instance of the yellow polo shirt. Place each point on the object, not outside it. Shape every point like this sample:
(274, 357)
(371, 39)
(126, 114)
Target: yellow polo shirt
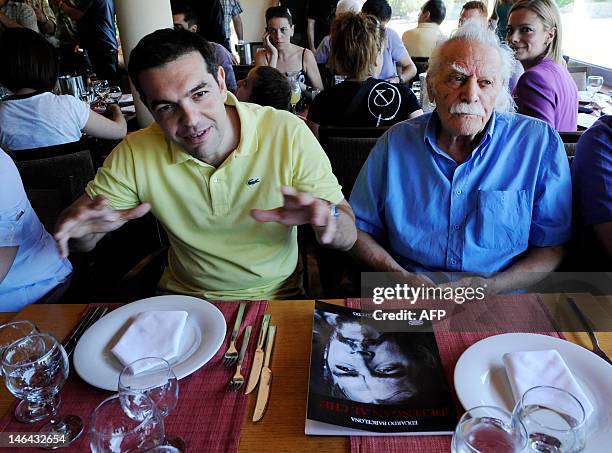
(217, 250)
(423, 39)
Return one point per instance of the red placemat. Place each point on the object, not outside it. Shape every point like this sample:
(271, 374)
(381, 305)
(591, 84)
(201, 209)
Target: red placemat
(207, 417)
(527, 311)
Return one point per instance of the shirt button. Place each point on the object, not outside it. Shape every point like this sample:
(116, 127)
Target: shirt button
(453, 261)
(215, 180)
(456, 227)
(458, 191)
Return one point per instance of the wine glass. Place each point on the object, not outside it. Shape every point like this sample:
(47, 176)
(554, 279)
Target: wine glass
(114, 94)
(485, 429)
(155, 378)
(554, 420)
(35, 369)
(127, 422)
(101, 88)
(594, 84)
(13, 331)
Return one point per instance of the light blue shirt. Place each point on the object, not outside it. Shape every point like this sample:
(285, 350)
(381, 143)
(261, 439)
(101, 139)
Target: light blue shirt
(512, 192)
(394, 52)
(38, 266)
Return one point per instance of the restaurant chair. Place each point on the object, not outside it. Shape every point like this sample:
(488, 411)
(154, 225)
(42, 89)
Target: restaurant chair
(347, 149)
(241, 70)
(422, 64)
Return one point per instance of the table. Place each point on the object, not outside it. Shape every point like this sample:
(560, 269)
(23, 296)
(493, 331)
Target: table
(282, 428)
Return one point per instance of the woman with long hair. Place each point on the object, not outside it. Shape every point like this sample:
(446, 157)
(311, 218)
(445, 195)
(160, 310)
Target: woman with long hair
(546, 90)
(280, 53)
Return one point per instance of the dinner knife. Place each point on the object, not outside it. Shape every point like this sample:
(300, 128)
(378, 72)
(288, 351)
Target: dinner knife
(263, 393)
(259, 356)
(78, 333)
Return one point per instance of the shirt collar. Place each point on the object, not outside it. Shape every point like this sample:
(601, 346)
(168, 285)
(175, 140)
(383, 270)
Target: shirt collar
(249, 140)
(432, 128)
(428, 25)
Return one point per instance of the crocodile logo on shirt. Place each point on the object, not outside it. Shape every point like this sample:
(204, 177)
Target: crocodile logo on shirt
(253, 181)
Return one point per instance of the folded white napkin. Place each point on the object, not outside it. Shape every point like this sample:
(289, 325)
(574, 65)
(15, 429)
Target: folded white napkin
(527, 369)
(151, 334)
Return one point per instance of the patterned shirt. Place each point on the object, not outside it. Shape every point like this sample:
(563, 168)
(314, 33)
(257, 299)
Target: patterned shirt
(21, 13)
(231, 8)
(42, 5)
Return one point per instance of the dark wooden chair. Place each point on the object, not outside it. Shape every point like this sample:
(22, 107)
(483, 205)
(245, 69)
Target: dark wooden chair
(422, 64)
(241, 70)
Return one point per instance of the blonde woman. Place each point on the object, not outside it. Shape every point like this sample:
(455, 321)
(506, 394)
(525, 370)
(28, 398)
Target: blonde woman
(546, 90)
(281, 54)
(357, 45)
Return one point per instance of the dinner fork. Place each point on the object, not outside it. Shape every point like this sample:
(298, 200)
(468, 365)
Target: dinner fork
(231, 355)
(237, 380)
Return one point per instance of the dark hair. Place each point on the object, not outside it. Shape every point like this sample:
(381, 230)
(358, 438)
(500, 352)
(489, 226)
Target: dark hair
(436, 9)
(28, 60)
(271, 87)
(476, 4)
(378, 8)
(278, 11)
(186, 10)
(166, 45)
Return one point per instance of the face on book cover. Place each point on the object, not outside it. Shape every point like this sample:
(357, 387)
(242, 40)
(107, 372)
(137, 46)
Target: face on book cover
(369, 366)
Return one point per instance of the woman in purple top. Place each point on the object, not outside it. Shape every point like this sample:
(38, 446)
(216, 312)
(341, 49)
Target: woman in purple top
(546, 90)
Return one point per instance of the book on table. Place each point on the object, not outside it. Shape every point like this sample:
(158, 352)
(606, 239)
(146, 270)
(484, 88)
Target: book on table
(371, 377)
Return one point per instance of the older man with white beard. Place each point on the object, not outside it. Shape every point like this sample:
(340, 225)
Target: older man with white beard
(471, 187)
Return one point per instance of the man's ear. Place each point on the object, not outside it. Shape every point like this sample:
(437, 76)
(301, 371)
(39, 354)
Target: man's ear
(221, 81)
(194, 28)
(426, 15)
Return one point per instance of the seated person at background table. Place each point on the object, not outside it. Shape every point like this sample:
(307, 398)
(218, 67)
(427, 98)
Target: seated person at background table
(343, 6)
(30, 264)
(265, 85)
(183, 16)
(361, 99)
(477, 11)
(34, 116)
(546, 90)
(17, 14)
(422, 40)
(394, 53)
(592, 182)
(468, 187)
(201, 168)
(281, 54)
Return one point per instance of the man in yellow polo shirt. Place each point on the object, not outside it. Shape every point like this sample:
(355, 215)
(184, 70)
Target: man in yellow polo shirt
(202, 168)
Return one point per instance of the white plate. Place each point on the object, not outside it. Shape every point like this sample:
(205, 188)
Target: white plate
(202, 338)
(480, 378)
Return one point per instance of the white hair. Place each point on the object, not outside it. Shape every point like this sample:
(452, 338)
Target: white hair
(347, 6)
(475, 31)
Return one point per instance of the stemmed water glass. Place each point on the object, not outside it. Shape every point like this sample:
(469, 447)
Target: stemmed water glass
(486, 429)
(114, 94)
(594, 84)
(126, 422)
(13, 331)
(554, 420)
(35, 368)
(101, 88)
(155, 378)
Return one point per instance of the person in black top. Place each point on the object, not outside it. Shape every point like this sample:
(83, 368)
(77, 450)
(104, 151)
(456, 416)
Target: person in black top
(210, 21)
(298, 9)
(320, 16)
(361, 100)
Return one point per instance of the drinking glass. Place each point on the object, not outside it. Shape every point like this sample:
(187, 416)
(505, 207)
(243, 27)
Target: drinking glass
(158, 382)
(487, 429)
(101, 88)
(13, 331)
(127, 422)
(164, 449)
(35, 369)
(114, 94)
(296, 90)
(554, 420)
(594, 84)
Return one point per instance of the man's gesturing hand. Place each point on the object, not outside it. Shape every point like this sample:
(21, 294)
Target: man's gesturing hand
(86, 218)
(298, 209)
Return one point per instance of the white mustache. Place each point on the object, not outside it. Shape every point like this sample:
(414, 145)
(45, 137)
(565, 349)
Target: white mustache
(467, 109)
